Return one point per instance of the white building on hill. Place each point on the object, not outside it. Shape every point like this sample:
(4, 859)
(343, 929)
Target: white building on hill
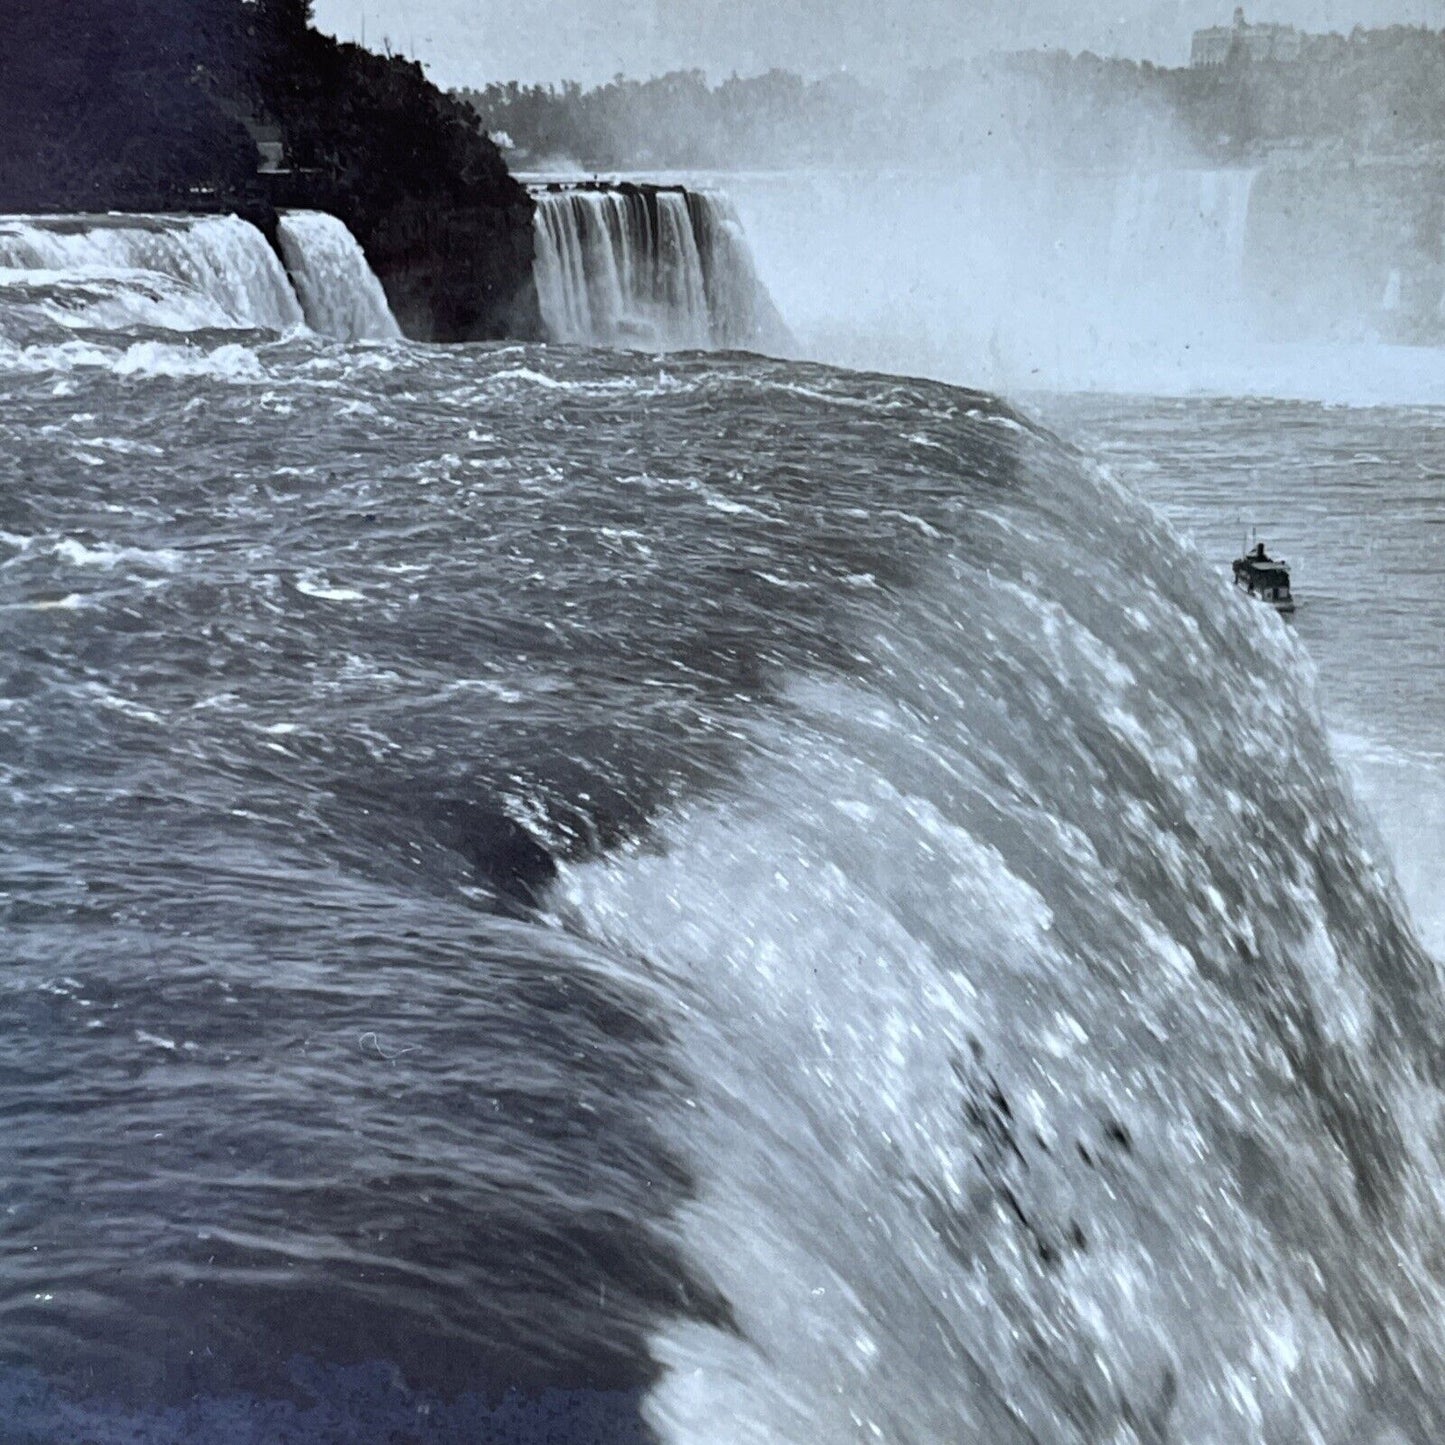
(1256, 42)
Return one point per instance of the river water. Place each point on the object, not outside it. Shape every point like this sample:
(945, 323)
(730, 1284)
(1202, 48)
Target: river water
(1355, 497)
(563, 895)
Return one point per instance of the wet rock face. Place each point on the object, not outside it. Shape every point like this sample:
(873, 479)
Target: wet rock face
(458, 274)
(445, 226)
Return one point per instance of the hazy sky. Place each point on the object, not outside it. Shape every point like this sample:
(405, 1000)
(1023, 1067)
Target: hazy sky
(472, 41)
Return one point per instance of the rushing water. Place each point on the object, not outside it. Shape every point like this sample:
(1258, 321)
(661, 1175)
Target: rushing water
(123, 272)
(1356, 499)
(63, 276)
(338, 292)
(659, 268)
(577, 896)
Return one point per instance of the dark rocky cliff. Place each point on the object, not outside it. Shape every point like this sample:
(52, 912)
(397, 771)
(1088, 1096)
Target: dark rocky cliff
(147, 105)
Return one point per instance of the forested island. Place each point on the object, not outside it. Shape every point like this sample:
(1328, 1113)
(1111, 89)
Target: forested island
(1371, 94)
(241, 105)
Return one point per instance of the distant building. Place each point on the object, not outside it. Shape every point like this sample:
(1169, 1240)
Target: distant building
(1256, 42)
(270, 147)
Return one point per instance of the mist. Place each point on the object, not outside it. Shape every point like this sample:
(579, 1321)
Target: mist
(1044, 222)
(1155, 277)
(958, 191)
(1103, 280)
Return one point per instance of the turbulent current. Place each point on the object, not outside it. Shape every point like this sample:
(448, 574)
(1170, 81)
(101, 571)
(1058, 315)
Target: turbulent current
(573, 896)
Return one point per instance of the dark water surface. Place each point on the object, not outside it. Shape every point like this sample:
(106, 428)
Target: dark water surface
(731, 900)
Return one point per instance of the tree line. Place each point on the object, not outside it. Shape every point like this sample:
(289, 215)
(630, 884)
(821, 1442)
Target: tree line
(1374, 92)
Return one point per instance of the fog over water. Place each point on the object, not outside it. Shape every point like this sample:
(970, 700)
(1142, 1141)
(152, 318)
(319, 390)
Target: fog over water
(1173, 279)
(1026, 225)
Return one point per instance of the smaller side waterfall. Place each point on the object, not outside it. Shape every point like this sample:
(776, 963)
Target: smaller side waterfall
(339, 292)
(176, 272)
(649, 267)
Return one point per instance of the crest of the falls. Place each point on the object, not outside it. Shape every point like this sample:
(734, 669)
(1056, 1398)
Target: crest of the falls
(339, 292)
(649, 266)
(179, 273)
(964, 1006)
(186, 273)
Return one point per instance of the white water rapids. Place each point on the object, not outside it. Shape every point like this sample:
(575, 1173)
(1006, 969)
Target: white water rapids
(189, 273)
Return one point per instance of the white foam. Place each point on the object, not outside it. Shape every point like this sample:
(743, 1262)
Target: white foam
(157, 359)
(923, 953)
(108, 556)
(137, 360)
(313, 586)
(181, 273)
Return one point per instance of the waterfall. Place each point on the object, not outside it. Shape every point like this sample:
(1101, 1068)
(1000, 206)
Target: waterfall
(1053, 277)
(1180, 228)
(339, 292)
(176, 272)
(742, 312)
(649, 267)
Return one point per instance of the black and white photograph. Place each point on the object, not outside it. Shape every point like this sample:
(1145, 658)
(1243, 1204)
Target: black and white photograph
(722, 723)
